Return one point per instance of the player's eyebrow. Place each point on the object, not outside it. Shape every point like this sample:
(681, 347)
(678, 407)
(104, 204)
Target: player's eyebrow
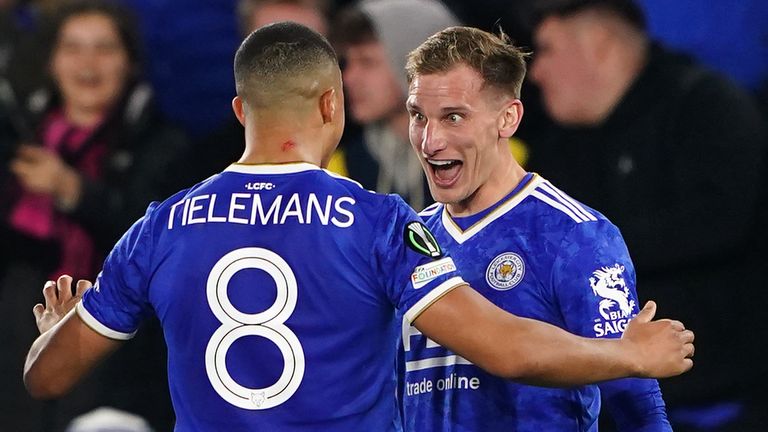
(450, 109)
(412, 106)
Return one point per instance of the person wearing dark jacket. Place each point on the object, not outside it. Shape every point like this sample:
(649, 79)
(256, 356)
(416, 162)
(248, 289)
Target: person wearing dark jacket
(96, 156)
(673, 154)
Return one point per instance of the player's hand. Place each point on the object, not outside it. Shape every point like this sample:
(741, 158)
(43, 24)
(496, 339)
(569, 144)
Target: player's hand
(59, 300)
(661, 348)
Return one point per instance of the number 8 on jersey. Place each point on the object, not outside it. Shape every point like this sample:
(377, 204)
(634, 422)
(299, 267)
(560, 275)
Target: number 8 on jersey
(269, 324)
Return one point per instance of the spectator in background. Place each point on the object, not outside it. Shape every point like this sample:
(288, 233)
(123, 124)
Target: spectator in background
(373, 39)
(672, 153)
(99, 155)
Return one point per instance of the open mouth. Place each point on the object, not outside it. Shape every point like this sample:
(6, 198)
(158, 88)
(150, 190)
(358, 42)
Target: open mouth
(445, 172)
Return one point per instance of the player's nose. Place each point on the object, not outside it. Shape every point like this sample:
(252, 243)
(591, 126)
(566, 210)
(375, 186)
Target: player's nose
(433, 139)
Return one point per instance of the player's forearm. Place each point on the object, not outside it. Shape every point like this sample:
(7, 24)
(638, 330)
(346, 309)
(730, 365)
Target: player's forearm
(522, 349)
(550, 356)
(62, 355)
(539, 353)
(42, 367)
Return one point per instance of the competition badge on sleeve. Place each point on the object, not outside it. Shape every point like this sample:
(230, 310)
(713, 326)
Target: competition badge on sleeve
(418, 238)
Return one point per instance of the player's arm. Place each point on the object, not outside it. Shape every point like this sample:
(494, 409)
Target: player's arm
(538, 353)
(636, 405)
(67, 348)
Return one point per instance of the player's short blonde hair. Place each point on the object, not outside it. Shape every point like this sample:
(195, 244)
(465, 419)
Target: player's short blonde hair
(499, 62)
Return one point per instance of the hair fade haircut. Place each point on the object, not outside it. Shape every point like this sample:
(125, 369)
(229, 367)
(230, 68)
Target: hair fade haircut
(272, 59)
(499, 63)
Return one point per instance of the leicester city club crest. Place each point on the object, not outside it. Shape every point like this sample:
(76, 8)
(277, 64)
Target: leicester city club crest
(505, 271)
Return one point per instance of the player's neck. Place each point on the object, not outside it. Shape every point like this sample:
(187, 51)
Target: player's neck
(280, 150)
(498, 185)
(281, 143)
(261, 158)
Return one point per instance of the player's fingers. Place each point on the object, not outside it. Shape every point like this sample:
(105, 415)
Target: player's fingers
(690, 350)
(648, 312)
(687, 364)
(677, 325)
(64, 285)
(38, 311)
(49, 293)
(81, 287)
(687, 336)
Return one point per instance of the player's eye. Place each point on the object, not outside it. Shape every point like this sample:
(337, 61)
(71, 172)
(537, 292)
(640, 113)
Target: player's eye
(417, 116)
(454, 117)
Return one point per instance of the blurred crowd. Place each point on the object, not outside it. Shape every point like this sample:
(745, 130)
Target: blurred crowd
(106, 106)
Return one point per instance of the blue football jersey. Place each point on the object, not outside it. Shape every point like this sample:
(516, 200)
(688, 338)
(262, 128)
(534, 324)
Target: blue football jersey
(277, 288)
(537, 253)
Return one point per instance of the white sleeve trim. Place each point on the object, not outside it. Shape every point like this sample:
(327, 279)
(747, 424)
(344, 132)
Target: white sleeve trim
(434, 295)
(100, 328)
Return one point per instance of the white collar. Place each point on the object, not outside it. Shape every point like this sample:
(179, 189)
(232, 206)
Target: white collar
(284, 168)
(461, 236)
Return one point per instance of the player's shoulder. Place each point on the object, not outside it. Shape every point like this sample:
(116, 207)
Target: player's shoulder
(555, 208)
(431, 213)
(431, 210)
(349, 185)
(182, 194)
(158, 210)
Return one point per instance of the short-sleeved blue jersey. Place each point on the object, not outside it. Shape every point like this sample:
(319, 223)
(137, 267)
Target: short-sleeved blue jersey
(276, 287)
(540, 254)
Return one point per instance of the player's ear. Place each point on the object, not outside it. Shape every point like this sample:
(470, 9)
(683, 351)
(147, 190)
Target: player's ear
(239, 109)
(328, 106)
(509, 120)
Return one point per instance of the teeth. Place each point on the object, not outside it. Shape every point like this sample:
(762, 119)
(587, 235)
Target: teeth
(440, 162)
